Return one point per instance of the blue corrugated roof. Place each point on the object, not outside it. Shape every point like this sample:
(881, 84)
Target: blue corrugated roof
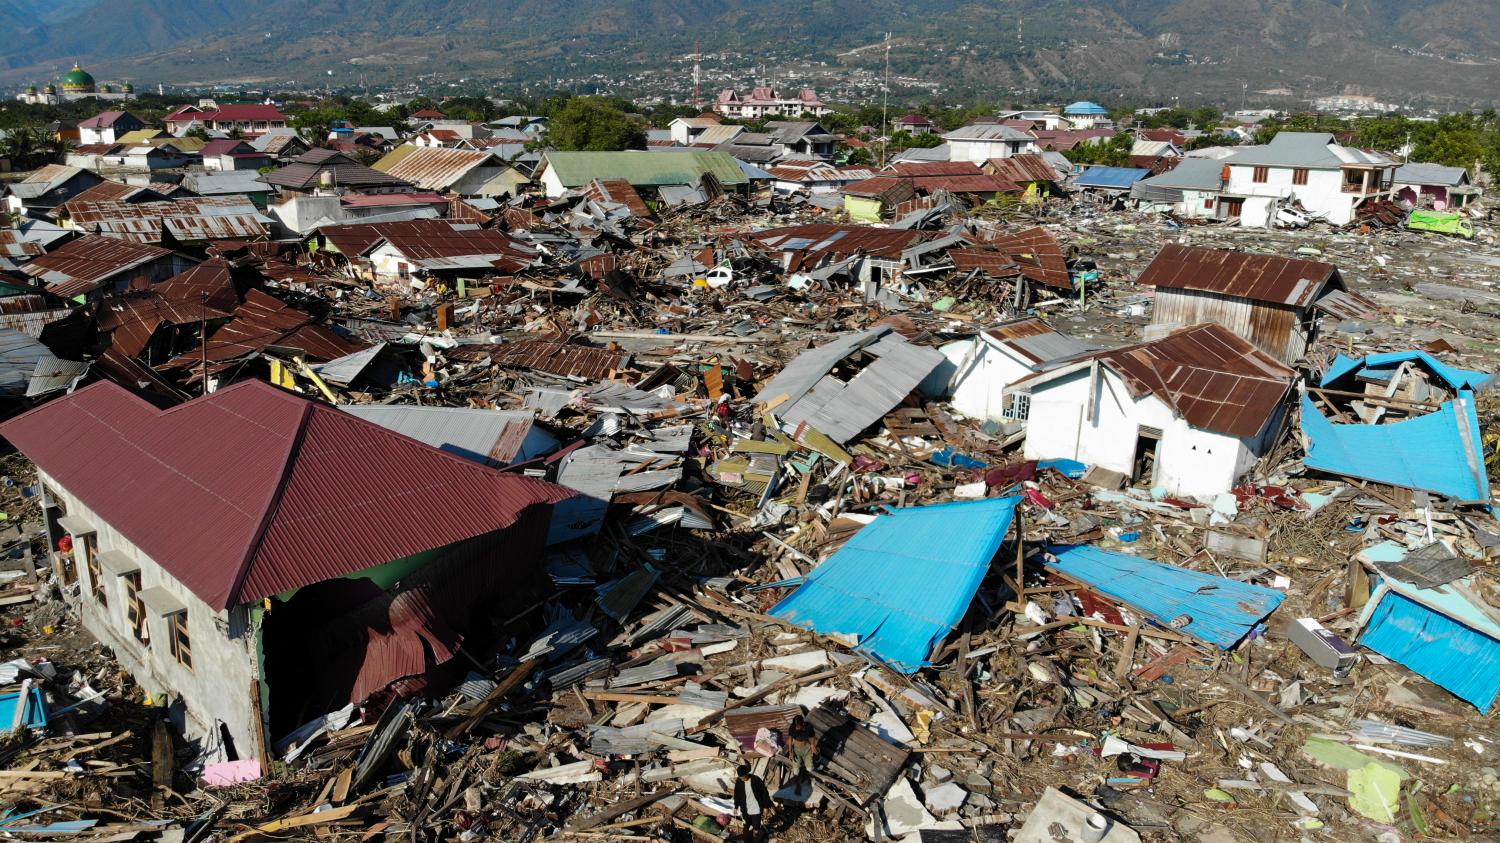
(905, 580)
(1116, 177)
(1376, 364)
(1085, 107)
(1221, 611)
(1451, 654)
(1440, 452)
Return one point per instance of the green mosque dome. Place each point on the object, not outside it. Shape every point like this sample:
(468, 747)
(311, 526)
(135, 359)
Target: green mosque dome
(78, 80)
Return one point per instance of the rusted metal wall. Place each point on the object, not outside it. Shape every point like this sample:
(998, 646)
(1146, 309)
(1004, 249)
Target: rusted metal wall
(1274, 329)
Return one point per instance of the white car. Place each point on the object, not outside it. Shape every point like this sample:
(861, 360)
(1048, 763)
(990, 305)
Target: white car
(1290, 218)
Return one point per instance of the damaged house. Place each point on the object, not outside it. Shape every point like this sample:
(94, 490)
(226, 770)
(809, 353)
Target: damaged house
(985, 365)
(1190, 412)
(1274, 302)
(259, 559)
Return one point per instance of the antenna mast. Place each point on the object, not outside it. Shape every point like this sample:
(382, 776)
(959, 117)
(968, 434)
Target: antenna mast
(697, 74)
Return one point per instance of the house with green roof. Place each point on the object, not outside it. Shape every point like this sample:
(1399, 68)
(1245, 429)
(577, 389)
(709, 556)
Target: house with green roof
(564, 171)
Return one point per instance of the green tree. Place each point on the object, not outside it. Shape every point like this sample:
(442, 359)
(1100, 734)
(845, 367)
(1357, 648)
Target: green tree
(594, 124)
(29, 147)
(1114, 152)
(1206, 118)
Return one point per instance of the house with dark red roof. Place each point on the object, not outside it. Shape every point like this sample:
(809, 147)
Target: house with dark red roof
(258, 558)
(248, 119)
(108, 127)
(914, 124)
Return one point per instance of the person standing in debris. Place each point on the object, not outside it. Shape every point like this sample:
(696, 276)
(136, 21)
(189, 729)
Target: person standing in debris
(751, 800)
(800, 739)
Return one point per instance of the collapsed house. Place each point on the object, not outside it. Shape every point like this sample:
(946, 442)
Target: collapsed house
(1403, 418)
(1190, 412)
(242, 563)
(984, 366)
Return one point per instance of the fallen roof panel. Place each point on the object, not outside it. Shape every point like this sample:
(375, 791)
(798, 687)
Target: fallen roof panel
(1218, 611)
(904, 581)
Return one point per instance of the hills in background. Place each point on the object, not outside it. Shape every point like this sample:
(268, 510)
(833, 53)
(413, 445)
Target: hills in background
(1443, 52)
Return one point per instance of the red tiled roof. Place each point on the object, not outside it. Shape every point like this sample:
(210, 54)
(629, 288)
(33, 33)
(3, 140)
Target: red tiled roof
(250, 491)
(1266, 278)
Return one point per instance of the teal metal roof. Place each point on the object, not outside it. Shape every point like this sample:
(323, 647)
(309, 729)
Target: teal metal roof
(1085, 107)
(645, 169)
(1219, 611)
(905, 580)
(1439, 633)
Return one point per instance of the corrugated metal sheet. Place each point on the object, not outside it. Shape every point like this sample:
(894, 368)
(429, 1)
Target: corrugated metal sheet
(134, 317)
(1037, 341)
(810, 244)
(1440, 452)
(83, 264)
(1383, 366)
(1110, 178)
(903, 582)
(191, 220)
(306, 172)
(648, 169)
(620, 192)
(559, 358)
(1039, 255)
(488, 437)
(1209, 376)
(1431, 632)
(264, 320)
(1268, 278)
(19, 356)
(437, 168)
(1220, 611)
(31, 324)
(53, 373)
(296, 492)
(842, 409)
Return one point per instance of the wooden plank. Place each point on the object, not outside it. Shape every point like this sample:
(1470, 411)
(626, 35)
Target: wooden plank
(621, 697)
(585, 823)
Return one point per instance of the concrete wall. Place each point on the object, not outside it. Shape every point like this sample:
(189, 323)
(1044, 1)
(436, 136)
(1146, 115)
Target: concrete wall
(1190, 462)
(1322, 196)
(984, 371)
(982, 151)
(217, 688)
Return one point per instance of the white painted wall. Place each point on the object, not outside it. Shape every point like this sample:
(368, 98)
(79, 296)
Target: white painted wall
(984, 369)
(1191, 462)
(980, 151)
(551, 182)
(217, 688)
(1322, 195)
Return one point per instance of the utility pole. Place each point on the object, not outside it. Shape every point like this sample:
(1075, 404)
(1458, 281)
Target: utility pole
(885, 101)
(203, 340)
(697, 73)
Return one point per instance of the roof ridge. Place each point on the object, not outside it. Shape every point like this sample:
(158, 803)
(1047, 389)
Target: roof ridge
(268, 515)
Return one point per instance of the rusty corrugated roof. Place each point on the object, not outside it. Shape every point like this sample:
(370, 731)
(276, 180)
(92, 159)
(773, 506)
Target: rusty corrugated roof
(438, 168)
(1265, 278)
(1209, 375)
(132, 318)
(296, 492)
(264, 320)
(619, 192)
(1039, 254)
(192, 219)
(82, 265)
(812, 242)
(559, 358)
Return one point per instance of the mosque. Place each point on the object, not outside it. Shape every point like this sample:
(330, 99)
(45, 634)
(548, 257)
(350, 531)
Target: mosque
(76, 84)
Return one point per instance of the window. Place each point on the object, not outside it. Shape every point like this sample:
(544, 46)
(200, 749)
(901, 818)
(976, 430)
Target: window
(96, 573)
(1299, 176)
(1208, 204)
(1261, 175)
(177, 637)
(1018, 407)
(135, 610)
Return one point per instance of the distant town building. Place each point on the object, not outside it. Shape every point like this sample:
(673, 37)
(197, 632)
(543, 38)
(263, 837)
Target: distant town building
(1353, 102)
(1087, 115)
(768, 102)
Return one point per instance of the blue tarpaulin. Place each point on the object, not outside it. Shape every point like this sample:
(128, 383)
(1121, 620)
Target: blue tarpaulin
(1111, 178)
(1440, 634)
(905, 580)
(1220, 611)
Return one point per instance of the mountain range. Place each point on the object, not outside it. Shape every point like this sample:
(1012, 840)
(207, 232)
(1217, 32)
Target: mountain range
(1445, 52)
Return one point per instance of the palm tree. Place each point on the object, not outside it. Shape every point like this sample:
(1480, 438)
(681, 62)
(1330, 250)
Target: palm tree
(27, 147)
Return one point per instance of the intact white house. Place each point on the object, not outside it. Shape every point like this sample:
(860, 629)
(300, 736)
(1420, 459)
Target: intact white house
(1190, 412)
(1328, 180)
(981, 142)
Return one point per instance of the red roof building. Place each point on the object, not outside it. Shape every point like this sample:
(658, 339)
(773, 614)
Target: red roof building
(248, 119)
(250, 491)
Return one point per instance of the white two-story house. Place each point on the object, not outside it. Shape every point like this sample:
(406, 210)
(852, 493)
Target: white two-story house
(1307, 169)
(981, 142)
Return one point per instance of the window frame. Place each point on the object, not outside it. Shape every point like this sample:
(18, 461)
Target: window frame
(96, 576)
(135, 607)
(1260, 175)
(179, 641)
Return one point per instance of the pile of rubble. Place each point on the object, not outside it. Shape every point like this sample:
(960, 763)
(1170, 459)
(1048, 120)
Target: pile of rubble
(792, 553)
